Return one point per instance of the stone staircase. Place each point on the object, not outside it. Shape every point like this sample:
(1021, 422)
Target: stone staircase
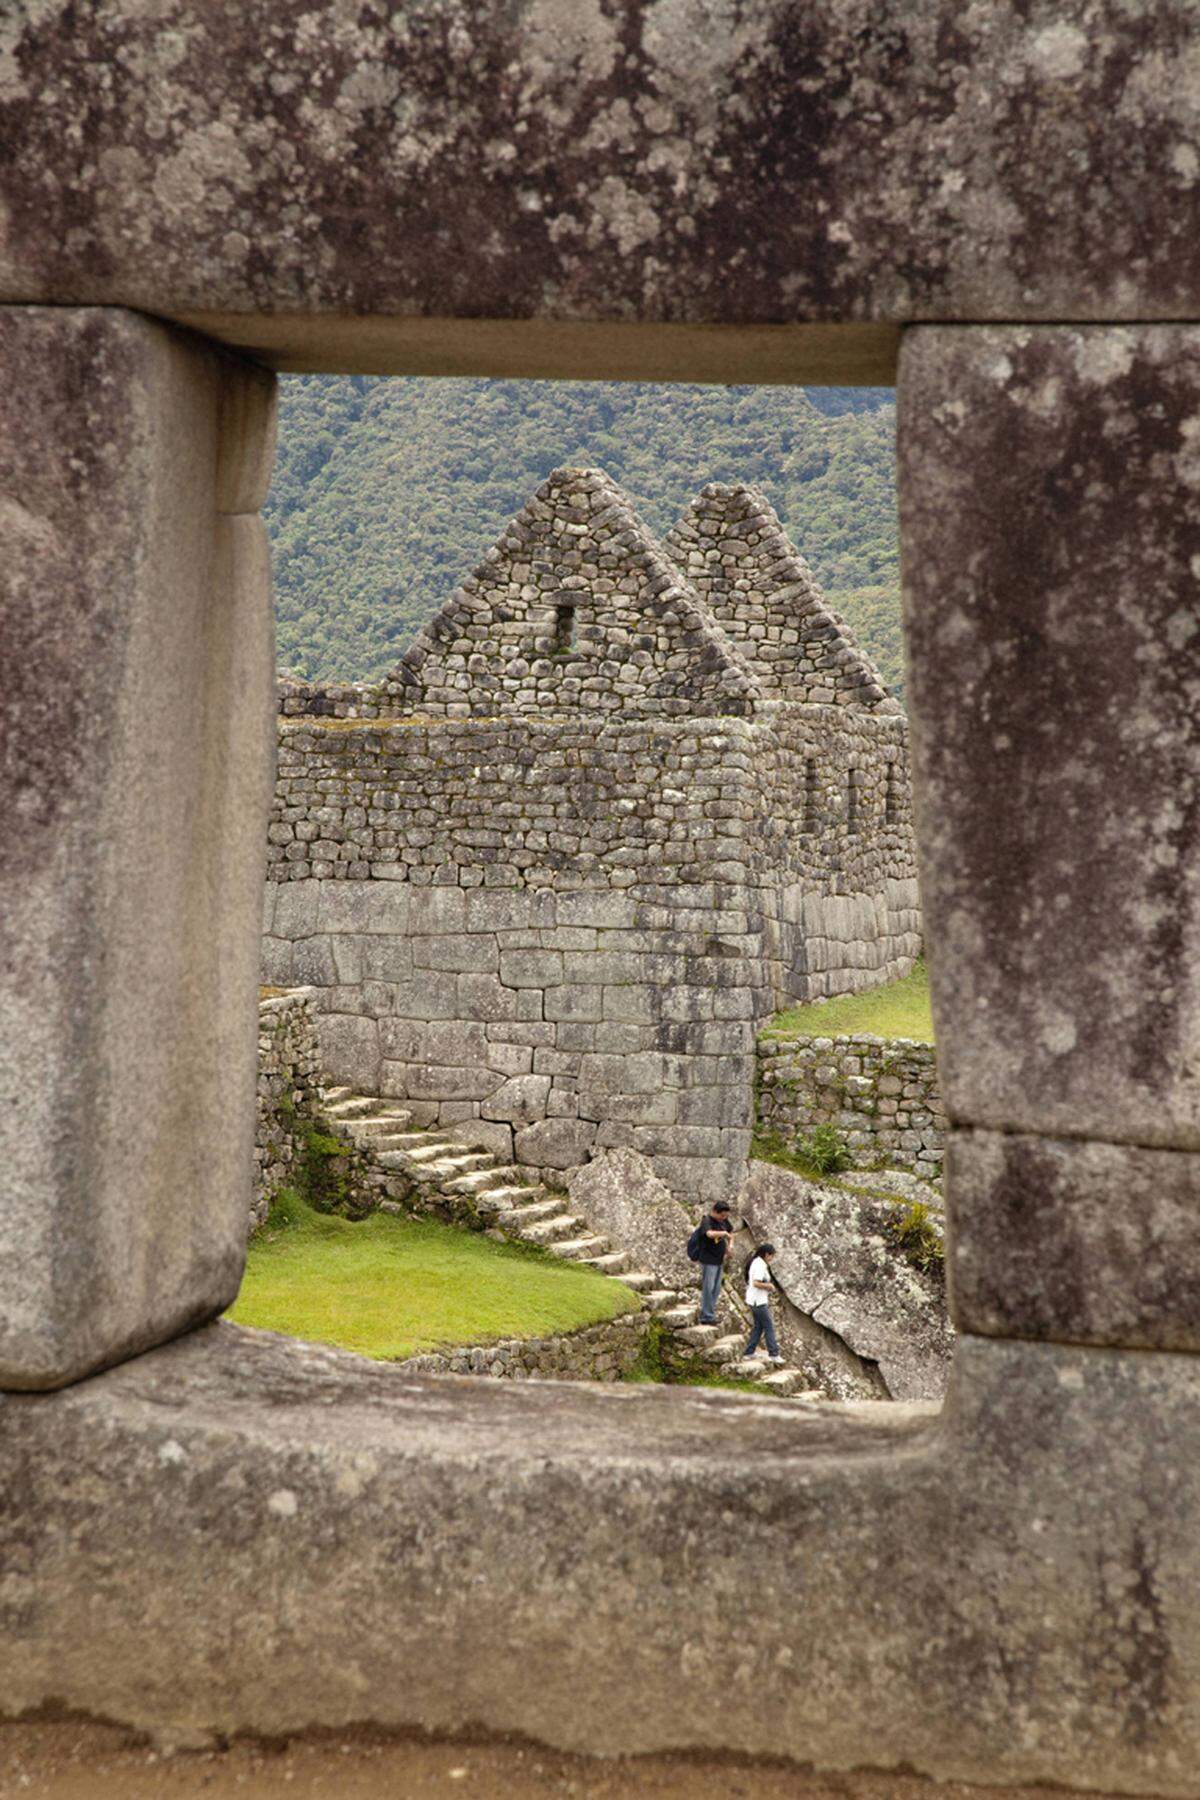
(476, 1182)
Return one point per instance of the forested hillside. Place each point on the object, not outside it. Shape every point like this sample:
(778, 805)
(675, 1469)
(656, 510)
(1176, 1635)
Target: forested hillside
(388, 492)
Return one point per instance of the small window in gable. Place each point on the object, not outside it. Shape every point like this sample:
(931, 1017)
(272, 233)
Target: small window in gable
(852, 800)
(812, 794)
(564, 629)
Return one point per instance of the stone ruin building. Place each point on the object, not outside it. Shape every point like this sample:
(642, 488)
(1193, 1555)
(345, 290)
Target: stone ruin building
(618, 803)
(211, 1531)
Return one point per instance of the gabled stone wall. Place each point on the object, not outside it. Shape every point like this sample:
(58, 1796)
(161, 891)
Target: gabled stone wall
(576, 607)
(733, 551)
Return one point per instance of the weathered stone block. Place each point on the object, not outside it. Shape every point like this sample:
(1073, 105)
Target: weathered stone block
(430, 994)
(359, 906)
(581, 1004)
(531, 968)
(312, 962)
(436, 910)
(137, 715)
(618, 1193)
(554, 1143)
(484, 997)
(384, 958)
(460, 953)
(521, 1100)
(350, 1050)
(426, 1081)
(1071, 1241)
(1050, 537)
(299, 907)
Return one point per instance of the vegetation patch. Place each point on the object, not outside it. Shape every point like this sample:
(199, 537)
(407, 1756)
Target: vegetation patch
(769, 1146)
(389, 1287)
(917, 1235)
(901, 1009)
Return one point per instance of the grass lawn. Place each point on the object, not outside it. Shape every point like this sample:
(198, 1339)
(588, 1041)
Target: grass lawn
(899, 1010)
(390, 1287)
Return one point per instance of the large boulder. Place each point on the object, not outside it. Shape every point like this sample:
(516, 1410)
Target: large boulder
(842, 1265)
(619, 1194)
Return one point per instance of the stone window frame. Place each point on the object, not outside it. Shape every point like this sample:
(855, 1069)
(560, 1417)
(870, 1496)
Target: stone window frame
(321, 1464)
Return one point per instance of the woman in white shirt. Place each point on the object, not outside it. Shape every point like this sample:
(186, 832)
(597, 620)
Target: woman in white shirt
(758, 1294)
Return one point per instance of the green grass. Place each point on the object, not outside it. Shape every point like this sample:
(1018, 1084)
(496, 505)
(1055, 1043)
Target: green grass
(899, 1010)
(391, 1287)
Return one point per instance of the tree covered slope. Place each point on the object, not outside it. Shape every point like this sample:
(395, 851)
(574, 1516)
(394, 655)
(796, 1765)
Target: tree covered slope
(388, 492)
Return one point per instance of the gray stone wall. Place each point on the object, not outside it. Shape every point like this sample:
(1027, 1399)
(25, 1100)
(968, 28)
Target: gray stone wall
(289, 1070)
(830, 842)
(735, 554)
(881, 1093)
(602, 1352)
(558, 936)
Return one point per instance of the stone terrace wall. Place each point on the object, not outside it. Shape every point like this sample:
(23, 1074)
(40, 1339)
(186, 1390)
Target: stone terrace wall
(832, 850)
(575, 607)
(732, 550)
(881, 1093)
(289, 1069)
(602, 1352)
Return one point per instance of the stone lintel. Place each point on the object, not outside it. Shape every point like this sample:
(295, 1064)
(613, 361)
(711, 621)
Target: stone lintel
(914, 159)
(1008, 1592)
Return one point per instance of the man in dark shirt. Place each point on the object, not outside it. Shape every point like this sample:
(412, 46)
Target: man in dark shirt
(716, 1236)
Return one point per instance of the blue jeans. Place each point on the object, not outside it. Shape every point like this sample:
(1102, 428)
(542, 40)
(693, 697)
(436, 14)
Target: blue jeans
(710, 1288)
(763, 1327)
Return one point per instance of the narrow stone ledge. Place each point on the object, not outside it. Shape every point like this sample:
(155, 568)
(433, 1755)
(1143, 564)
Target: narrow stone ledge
(242, 1533)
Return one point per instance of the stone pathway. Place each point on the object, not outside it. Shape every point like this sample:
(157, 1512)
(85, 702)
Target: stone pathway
(476, 1184)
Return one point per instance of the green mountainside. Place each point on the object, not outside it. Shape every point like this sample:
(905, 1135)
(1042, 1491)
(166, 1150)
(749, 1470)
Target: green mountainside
(388, 492)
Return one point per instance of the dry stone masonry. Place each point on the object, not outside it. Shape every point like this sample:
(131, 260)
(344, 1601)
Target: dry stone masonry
(880, 1093)
(547, 878)
(603, 1352)
(289, 1074)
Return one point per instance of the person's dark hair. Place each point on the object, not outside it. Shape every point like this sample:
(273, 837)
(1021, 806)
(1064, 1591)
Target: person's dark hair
(721, 1206)
(759, 1250)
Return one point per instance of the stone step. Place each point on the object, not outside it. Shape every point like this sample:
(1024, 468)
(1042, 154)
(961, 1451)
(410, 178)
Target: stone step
(575, 1249)
(478, 1181)
(512, 1197)
(354, 1106)
(379, 1124)
(699, 1335)
(330, 1094)
(610, 1263)
(388, 1140)
(441, 1170)
(640, 1280)
(787, 1381)
(540, 1209)
(550, 1231)
(661, 1299)
(725, 1349)
(675, 1318)
(429, 1147)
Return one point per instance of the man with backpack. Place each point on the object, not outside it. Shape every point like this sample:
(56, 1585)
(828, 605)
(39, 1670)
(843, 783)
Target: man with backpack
(709, 1246)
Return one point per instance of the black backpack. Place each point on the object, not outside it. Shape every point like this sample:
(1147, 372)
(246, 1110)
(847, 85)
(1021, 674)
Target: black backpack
(695, 1241)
